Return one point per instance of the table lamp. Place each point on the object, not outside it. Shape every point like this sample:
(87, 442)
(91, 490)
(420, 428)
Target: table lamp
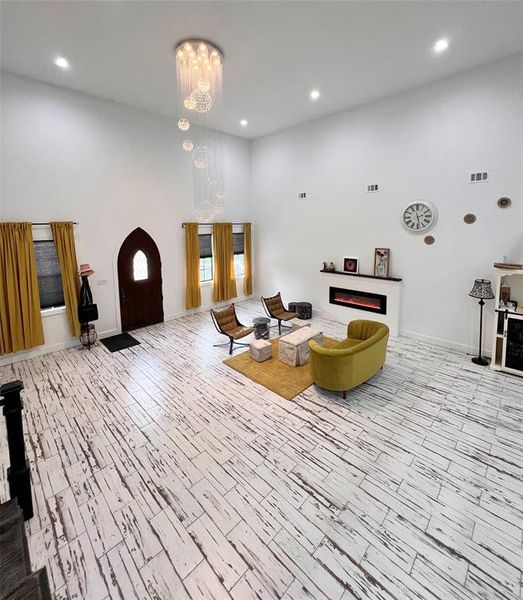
(481, 289)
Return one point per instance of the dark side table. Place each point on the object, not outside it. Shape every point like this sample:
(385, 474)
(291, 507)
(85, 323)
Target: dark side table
(261, 328)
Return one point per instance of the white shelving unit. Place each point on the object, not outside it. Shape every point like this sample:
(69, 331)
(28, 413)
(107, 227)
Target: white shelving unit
(507, 340)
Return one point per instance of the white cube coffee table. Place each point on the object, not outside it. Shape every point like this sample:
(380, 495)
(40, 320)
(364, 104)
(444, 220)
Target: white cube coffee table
(293, 348)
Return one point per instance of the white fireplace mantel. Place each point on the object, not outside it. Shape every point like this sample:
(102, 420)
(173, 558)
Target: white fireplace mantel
(392, 288)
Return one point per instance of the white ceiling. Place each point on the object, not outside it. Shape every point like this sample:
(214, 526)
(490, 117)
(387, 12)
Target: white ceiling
(275, 52)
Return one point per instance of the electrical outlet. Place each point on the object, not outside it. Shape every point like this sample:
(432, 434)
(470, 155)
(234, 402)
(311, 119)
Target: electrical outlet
(101, 282)
(302, 195)
(479, 177)
(372, 187)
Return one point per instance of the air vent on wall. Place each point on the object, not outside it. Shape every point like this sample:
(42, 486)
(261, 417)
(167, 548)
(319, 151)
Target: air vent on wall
(372, 187)
(478, 177)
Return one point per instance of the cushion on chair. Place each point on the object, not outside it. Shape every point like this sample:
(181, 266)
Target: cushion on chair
(239, 332)
(287, 316)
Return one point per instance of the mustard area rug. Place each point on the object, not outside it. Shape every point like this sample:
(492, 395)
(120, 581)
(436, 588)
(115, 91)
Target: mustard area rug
(282, 379)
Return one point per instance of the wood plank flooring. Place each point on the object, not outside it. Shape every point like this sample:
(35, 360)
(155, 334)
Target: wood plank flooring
(160, 473)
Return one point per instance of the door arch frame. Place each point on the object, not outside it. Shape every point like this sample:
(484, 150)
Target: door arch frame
(116, 279)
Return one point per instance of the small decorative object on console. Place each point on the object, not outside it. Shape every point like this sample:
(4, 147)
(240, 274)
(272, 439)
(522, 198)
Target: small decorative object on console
(381, 262)
(329, 267)
(351, 264)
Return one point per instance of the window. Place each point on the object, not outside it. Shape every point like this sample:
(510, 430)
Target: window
(140, 269)
(49, 276)
(239, 256)
(206, 267)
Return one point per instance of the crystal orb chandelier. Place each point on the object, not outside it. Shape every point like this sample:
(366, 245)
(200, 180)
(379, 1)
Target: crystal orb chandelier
(199, 83)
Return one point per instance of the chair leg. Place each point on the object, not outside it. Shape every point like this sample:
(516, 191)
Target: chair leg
(344, 394)
(230, 346)
(279, 326)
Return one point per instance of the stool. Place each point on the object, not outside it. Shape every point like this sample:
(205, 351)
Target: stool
(260, 350)
(304, 309)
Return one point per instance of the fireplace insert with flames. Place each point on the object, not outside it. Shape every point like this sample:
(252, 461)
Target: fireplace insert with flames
(376, 303)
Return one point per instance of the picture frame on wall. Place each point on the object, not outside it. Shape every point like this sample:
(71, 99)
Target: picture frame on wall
(381, 262)
(351, 264)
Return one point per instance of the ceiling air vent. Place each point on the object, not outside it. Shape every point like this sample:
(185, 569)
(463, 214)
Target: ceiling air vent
(479, 177)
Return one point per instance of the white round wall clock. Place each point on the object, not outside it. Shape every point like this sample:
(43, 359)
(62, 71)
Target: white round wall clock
(419, 216)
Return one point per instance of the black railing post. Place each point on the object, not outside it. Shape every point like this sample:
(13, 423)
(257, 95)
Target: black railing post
(18, 474)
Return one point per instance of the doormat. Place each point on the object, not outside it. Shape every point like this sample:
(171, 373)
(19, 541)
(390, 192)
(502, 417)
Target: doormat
(119, 342)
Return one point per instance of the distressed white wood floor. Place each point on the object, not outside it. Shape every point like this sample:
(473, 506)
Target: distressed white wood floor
(159, 472)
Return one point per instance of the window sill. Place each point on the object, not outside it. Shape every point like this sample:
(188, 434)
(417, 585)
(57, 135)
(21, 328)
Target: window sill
(50, 312)
(208, 283)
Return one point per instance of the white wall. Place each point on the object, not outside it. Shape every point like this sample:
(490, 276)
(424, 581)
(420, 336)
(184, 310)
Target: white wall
(112, 168)
(421, 144)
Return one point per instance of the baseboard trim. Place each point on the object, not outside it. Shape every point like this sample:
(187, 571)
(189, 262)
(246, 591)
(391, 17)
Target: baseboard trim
(443, 343)
(41, 350)
(205, 308)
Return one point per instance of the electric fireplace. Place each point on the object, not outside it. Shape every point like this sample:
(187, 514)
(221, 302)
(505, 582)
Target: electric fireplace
(376, 303)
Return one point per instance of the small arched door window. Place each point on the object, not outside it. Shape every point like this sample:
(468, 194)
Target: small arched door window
(140, 269)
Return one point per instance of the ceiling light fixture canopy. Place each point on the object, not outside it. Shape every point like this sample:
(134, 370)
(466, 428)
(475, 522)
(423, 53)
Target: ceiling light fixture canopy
(441, 45)
(200, 88)
(61, 62)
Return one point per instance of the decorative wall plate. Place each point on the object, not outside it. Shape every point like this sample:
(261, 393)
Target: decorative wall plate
(469, 218)
(429, 240)
(419, 216)
(504, 202)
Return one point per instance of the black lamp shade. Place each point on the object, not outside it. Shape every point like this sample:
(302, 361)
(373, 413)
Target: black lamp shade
(482, 288)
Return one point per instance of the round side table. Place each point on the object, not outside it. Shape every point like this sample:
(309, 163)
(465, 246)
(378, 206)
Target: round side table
(261, 328)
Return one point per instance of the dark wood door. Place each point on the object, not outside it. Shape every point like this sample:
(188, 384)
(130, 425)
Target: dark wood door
(140, 281)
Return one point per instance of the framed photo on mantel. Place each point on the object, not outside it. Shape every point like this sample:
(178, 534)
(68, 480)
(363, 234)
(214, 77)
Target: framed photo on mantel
(381, 262)
(351, 264)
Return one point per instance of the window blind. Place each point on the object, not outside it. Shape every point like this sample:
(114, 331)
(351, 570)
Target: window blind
(205, 242)
(237, 243)
(49, 277)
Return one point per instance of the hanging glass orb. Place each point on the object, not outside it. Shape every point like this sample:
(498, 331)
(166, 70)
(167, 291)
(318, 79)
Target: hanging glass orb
(203, 85)
(220, 195)
(203, 101)
(206, 211)
(184, 124)
(212, 179)
(188, 146)
(190, 102)
(202, 157)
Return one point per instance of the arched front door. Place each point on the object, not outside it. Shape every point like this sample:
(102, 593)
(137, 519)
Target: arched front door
(140, 281)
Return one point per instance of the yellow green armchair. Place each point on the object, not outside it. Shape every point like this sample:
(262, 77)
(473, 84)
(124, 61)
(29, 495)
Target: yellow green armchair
(351, 361)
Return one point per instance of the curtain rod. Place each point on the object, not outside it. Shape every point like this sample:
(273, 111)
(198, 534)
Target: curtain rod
(74, 223)
(210, 224)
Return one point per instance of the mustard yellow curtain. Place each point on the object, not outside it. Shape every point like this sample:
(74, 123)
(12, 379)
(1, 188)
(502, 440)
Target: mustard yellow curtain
(224, 282)
(20, 318)
(63, 236)
(247, 251)
(193, 297)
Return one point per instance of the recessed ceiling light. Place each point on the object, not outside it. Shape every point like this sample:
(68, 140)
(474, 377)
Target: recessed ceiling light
(441, 45)
(61, 62)
(315, 94)
(244, 122)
